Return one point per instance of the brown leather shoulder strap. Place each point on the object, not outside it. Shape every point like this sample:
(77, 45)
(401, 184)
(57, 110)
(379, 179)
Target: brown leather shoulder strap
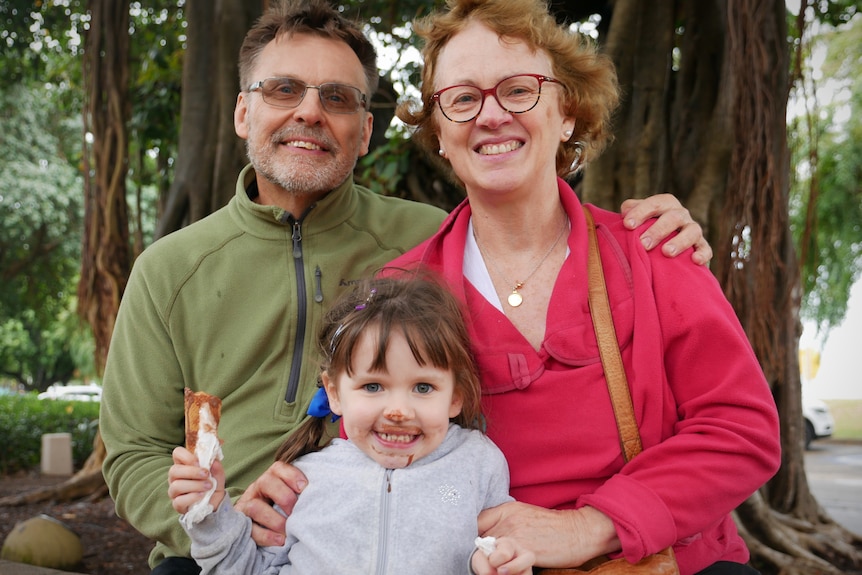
(609, 349)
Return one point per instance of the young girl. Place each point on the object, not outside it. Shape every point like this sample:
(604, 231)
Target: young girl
(403, 493)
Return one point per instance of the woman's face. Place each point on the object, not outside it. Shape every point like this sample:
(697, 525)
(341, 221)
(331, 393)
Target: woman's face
(499, 152)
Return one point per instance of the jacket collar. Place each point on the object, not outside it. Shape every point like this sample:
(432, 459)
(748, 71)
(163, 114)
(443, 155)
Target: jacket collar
(269, 221)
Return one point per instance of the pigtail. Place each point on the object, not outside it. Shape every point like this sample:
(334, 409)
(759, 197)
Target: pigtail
(305, 439)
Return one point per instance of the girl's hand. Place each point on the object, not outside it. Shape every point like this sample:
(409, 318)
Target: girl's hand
(509, 558)
(188, 481)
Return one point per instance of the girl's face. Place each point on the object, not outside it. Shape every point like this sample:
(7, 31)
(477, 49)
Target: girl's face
(396, 415)
(498, 151)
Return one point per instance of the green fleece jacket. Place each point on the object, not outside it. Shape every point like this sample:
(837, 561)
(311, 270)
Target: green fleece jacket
(231, 305)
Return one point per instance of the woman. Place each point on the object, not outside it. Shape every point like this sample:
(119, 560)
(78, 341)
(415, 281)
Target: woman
(513, 101)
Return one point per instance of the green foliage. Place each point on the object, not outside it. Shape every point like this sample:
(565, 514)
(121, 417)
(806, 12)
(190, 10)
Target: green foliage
(827, 148)
(40, 39)
(836, 12)
(36, 359)
(41, 207)
(157, 46)
(24, 419)
(383, 169)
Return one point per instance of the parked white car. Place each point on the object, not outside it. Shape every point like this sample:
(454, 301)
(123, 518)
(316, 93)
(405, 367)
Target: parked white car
(819, 422)
(90, 392)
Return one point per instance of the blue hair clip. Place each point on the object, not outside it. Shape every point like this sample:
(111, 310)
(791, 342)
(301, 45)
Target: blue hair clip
(319, 406)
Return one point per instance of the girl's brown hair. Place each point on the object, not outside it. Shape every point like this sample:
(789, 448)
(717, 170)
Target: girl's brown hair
(415, 304)
(589, 78)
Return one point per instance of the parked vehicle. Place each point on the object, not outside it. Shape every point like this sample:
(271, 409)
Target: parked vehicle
(819, 423)
(90, 392)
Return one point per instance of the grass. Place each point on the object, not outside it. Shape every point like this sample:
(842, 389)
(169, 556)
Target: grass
(848, 418)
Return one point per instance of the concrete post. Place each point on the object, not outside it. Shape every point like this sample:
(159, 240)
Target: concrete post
(57, 454)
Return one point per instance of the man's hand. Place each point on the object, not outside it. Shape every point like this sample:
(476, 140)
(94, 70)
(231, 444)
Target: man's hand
(672, 216)
(279, 485)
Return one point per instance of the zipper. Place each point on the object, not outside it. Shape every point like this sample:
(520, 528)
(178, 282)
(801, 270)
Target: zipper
(301, 308)
(318, 288)
(382, 551)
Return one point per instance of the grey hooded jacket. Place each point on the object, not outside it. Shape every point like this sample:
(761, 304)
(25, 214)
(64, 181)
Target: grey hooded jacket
(355, 517)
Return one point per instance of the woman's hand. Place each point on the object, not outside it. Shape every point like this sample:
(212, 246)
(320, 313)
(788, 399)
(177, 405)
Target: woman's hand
(279, 485)
(566, 538)
(672, 217)
(188, 481)
(509, 558)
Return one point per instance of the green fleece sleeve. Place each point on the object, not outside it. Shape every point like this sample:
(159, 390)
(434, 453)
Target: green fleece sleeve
(141, 419)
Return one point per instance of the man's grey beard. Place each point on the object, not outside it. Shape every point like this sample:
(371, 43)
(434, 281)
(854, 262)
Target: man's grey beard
(298, 177)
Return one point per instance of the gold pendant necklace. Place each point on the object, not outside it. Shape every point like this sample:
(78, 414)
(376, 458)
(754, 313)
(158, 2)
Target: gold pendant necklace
(515, 298)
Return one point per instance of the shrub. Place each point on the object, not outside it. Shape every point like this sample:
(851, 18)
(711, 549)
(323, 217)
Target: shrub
(24, 419)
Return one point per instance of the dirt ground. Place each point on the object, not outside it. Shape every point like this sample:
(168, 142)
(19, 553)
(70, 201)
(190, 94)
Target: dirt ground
(111, 546)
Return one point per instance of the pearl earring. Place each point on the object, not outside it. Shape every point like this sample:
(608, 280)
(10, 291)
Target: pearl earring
(441, 152)
(567, 134)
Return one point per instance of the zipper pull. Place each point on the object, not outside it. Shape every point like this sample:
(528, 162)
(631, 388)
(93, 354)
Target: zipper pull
(318, 289)
(297, 240)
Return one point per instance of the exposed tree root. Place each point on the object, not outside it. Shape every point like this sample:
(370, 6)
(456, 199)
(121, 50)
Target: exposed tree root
(89, 485)
(785, 545)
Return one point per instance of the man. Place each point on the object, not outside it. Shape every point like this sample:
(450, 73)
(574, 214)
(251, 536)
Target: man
(230, 304)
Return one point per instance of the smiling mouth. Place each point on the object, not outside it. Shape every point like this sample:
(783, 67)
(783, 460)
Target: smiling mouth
(303, 145)
(494, 149)
(398, 436)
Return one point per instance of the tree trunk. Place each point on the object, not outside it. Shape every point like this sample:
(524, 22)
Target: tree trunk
(703, 117)
(210, 154)
(105, 257)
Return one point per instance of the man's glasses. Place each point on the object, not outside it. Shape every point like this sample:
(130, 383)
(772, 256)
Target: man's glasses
(289, 92)
(515, 94)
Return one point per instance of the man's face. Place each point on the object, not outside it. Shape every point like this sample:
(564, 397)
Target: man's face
(305, 150)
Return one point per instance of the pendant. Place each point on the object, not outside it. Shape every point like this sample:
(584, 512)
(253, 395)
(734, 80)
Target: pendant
(515, 298)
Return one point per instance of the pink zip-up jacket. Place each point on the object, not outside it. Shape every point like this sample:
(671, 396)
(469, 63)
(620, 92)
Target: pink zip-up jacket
(706, 415)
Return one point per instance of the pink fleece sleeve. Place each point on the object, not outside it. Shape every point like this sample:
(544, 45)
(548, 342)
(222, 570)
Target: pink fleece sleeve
(721, 443)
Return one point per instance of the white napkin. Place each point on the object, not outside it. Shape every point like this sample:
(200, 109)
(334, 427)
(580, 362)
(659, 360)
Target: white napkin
(486, 545)
(207, 449)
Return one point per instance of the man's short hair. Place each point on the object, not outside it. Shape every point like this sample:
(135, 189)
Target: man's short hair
(316, 17)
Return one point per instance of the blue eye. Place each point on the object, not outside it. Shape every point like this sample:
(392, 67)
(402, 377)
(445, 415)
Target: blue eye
(424, 388)
(336, 98)
(284, 90)
(371, 387)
